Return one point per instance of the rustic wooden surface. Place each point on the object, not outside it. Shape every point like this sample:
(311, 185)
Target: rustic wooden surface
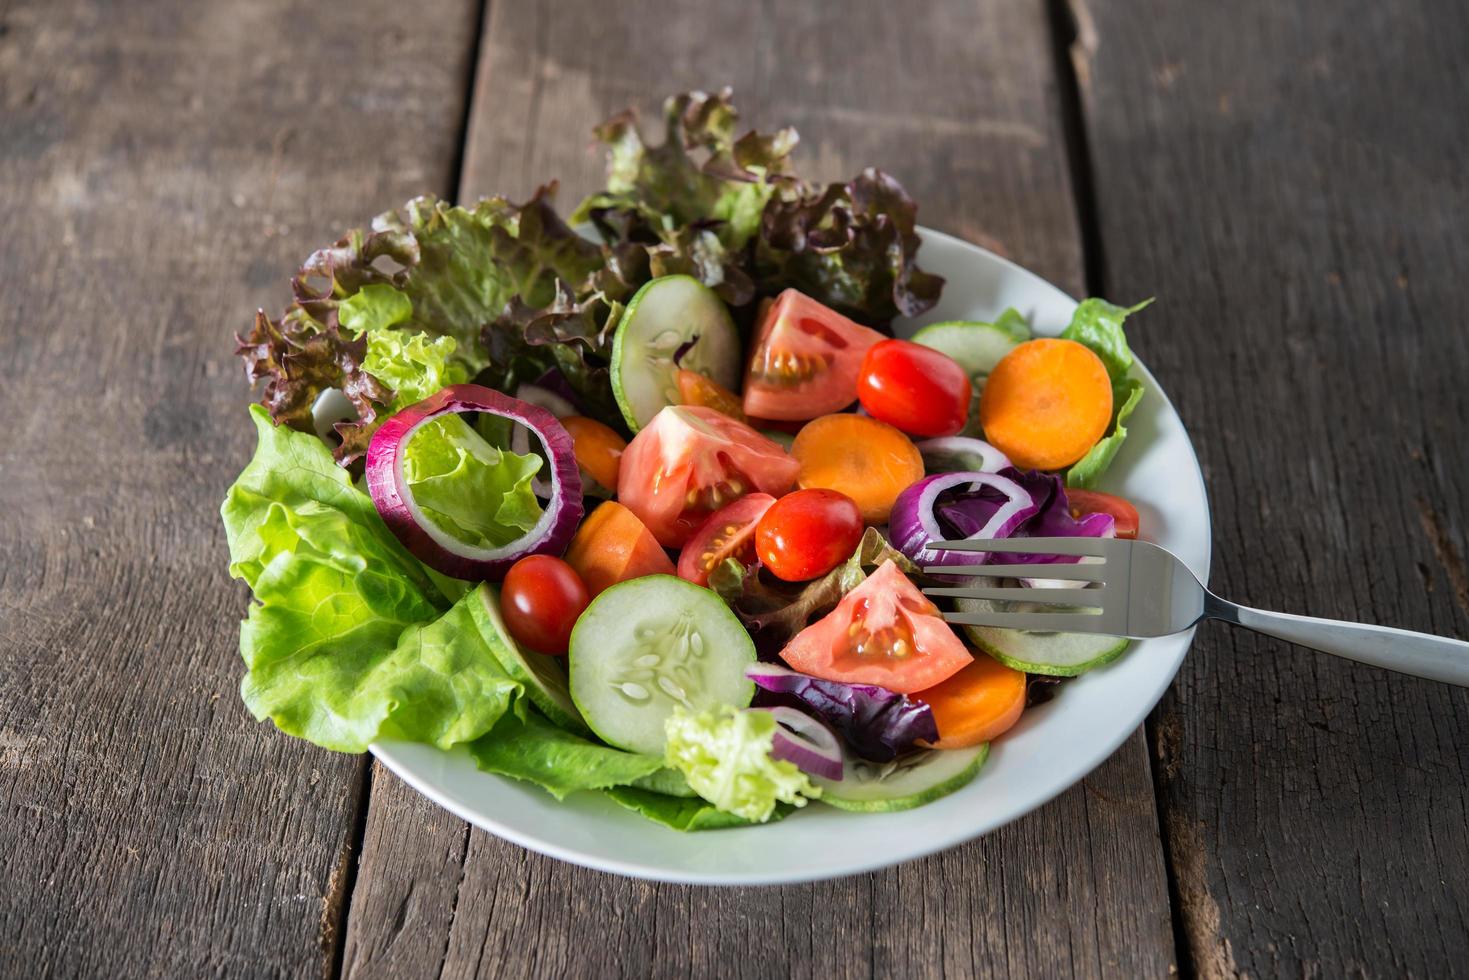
(163, 165)
(433, 897)
(1287, 178)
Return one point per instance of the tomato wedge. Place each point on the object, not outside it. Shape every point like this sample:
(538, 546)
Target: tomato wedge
(728, 533)
(690, 461)
(883, 632)
(805, 360)
(1124, 514)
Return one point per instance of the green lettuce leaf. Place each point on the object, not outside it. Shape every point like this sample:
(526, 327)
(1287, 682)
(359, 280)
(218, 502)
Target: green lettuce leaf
(478, 493)
(725, 756)
(527, 747)
(1097, 324)
(347, 640)
(1087, 471)
(775, 612)
(682, 813)
(456, 270)
(700, 174)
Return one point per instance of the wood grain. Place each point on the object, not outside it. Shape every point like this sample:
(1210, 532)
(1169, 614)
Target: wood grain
(1289, 180)
(960, 104)
(164, 166)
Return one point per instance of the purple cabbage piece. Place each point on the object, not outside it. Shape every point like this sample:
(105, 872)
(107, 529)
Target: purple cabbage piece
(877, 724)
(1052, 518)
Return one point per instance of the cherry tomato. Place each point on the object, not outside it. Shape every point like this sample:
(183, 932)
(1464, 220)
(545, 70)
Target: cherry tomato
(1124, 514)
(914, 388)
(541, 599)
(808, 533)
(726, 534)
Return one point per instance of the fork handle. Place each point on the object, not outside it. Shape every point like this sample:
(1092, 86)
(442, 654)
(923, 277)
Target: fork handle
(1437, 658)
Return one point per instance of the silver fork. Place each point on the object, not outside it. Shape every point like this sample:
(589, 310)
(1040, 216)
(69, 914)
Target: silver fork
(1141, 590)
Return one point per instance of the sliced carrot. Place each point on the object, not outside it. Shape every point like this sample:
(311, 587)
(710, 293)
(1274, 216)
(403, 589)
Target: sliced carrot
(975, 705)
(697, 389)
(1046, 403)
(612, 546)
(868, 460)
(598, 448)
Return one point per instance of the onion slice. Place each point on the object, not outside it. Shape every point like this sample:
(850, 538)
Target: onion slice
(805, 742)
(961, 453)
(428, 542)
(914, 525)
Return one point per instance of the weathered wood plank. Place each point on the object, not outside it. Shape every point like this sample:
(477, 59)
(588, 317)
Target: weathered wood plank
(960, 103)
(1288, 179)
(164, 166)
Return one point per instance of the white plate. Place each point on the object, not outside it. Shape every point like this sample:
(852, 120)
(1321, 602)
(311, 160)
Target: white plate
(1051, 749)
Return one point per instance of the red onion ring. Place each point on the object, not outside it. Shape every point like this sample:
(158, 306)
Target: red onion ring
(429, 543)
(805, 742)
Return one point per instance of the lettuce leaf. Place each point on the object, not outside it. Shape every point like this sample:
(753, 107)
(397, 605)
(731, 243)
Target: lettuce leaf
(725, 756)
(700, 173)
(775, 612)
(1086, 472)
(456, 270)
(528, 747)
(347, 640)
(478, 493)
(1098, 325)
(682, 813)
(853, 246)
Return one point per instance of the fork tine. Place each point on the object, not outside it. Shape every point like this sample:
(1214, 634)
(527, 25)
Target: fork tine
(1026, 546)
(1076, 622)
(1069, 597)
(1060, 570)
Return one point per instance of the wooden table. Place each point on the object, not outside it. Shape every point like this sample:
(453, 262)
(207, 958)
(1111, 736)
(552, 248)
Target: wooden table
(1288, 179)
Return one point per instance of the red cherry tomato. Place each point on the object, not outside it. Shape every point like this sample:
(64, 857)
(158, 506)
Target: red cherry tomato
(541, 599)
(726, 534)
(914, 388)
(808, 533)
(1124, 514)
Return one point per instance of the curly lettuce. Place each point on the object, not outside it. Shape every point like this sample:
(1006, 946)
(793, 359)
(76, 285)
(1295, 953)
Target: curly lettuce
(430, 270)
(725, 755)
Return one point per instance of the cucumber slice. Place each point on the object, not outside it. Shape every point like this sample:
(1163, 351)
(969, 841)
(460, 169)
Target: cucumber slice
(648, 644)
(665, 315)
(1056, 654)
(906, 782)
(977, 347)
(544, 678)
(669, 782)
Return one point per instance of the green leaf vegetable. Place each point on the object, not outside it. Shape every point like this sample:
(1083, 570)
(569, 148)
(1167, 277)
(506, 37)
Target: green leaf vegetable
(724, 754)
(1098, 325)
(775, 612)
(682, 813)
(529, 748)
(347, 640)
(478, 493)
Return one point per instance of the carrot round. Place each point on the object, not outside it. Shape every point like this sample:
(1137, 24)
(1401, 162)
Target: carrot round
(598, 448)
(977, 704)
(868, 460)
(1046, 403)
(612, 546)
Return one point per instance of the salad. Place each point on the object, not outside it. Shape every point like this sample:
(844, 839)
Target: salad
(642, 510)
